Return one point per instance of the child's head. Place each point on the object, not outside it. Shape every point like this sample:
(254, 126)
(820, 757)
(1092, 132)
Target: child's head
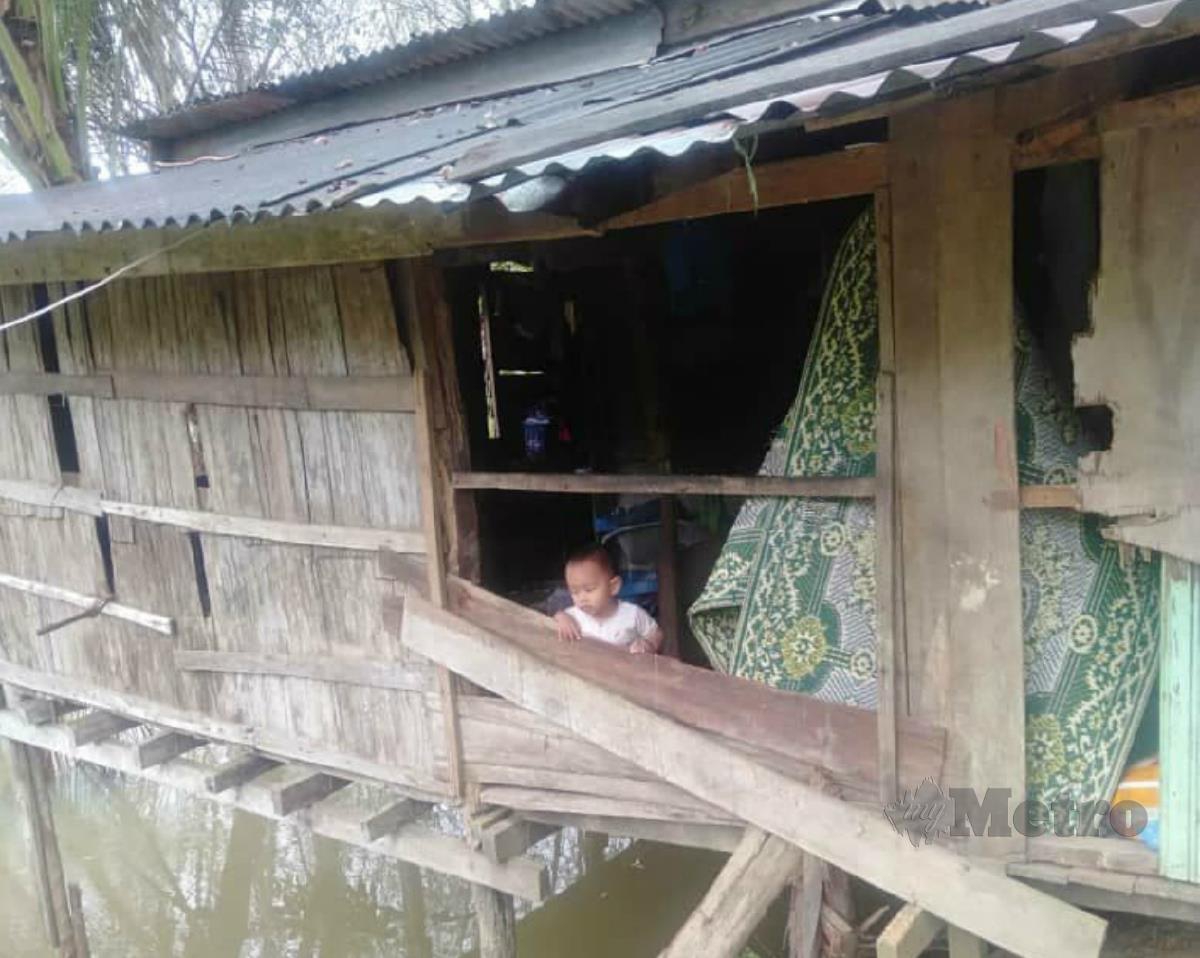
(592, 579)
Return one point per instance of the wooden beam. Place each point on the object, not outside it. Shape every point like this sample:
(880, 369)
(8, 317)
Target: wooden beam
(91, 502)
(839, 740)
(369, 673)
(277, 744)
(1176, 534)
(595, 484)
(583, 803)
(94, 604)
(909, 933)
(97, 726)
(308, 393)
(1175, 107)
(719, 838)
(738, 900)
(510, 837)
(390, 819)
(1048, 497)
(45, 711)
(856, 840)
(302, 788)
(1147, 895)
(1103, 854)
(238, 771)
(345, 236)
(412, 843)
(1030, 497)
(965, 945)
(55, 384)
(854, 172)
(164, 747)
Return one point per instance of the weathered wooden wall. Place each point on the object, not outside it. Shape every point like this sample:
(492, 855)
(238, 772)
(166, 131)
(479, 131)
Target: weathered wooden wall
(227, 594)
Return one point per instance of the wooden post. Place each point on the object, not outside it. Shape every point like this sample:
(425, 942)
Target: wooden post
(668, 577)
(1180, 725)
(495, 916)
(32, 792)
(752, 879)
(416, 928)
(79, 938)
(886, 564)
(952, 300)
(909, 933)
(431, 330)
(965, 945)
(451, 530)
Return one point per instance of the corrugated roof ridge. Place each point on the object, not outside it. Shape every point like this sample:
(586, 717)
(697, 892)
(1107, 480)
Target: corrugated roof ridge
(419, 52)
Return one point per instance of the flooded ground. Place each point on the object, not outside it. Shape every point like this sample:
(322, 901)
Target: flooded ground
(164, 874)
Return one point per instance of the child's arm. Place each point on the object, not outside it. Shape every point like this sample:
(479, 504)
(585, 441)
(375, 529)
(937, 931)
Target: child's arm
(650, 636)
(567, 628)
(649, 644)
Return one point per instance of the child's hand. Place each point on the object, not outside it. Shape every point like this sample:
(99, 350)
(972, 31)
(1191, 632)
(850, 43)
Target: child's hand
(642, 647)
(567, 628)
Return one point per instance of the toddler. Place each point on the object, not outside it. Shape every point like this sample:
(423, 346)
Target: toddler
(597, 613)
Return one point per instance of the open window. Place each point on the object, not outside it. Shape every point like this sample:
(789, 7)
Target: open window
(672, 350)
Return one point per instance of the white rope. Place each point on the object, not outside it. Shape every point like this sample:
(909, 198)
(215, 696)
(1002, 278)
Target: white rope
(99, 284)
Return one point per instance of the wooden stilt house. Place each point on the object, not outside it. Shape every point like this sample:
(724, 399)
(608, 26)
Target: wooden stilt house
(264, 481)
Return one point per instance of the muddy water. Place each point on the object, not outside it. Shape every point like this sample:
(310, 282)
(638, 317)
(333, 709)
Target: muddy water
(163, 874)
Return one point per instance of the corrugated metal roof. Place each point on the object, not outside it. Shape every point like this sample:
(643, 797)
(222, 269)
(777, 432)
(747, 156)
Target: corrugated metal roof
(420, 52)
(453, 154)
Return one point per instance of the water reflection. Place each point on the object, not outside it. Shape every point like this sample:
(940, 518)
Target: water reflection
(166, 874)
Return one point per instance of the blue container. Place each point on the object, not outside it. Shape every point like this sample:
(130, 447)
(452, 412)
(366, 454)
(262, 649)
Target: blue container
(537, 427)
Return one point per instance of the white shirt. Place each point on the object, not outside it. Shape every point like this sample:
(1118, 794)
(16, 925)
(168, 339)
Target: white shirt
(629, 623)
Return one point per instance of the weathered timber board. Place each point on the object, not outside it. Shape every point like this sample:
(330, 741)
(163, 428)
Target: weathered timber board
(973, 897)
(1142, 356)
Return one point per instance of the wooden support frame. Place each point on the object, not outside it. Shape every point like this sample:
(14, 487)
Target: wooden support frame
(853, 172)
(98, 726)
(909, 933)
(413, 843)
(756, 873)
(389, 820)
(302, 788)
(91, 604)
(275, 744)
(887, 558)
(165, 746)
(238, 771)
(93, 503)
(596, 484)
(369, 673)
(305, 393)
(856, 840)
(1148, 895)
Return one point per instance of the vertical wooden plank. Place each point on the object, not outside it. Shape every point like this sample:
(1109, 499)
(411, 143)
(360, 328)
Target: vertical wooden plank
(668, 576)
(951, 192)
(1180, 721)
(435, 562)
(495, 916)
(965, 945)
(431, 331)
(885, 507)
(34, 796)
